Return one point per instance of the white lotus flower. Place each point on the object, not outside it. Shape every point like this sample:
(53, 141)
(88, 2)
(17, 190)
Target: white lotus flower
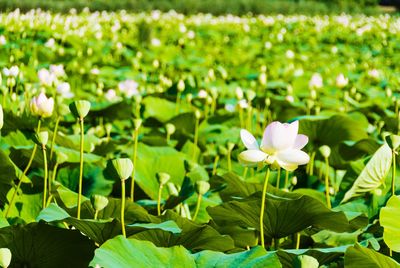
(42, 106)
(13, 71)
(316, 81)
(46, 77)
(57, 70)
(341, 81)
(280, 146)
(129, 88)
(64, 89)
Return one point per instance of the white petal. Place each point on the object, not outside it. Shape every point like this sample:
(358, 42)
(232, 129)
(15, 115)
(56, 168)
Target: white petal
(300, 142)
(293, 157)
(252, 157)
(278, 136)
(248, 140)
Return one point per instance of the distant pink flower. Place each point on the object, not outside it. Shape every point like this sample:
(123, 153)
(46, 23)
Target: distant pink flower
(280, 146)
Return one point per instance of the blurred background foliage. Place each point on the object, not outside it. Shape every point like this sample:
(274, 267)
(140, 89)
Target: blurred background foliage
(216, 7)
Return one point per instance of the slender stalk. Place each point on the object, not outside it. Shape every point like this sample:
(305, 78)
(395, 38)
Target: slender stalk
(393, 172)
(196, 138)
(23, 173)
(278, 178)
(214, 171)
(53, 140)
(132, 194)
(168, 138)
(328, 198)
(199, 197)
(96, 214)
(246, 169)
(80, 169)
(178, 101)
(53, 175)
(241, 117)
(45, 176)
(311, 164)
(123, 207)
(298, 237)
(249, 118)
(159, 200)
(263, 207)
(286, 179)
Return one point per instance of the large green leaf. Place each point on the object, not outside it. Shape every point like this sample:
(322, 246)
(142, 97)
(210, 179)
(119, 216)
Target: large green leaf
(122, 252)
(390, 220)
(285, 214)
(373, 175)
(41, 245)
(161, 109)
(358, 256)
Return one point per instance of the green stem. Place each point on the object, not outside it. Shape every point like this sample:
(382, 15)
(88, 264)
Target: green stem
(53, 140)
(241, 117)
(23, 173)
(214, 171)
(196, 138)
(199, 197)
(96, 214)
(286, 179)
(246, 169)
(298, 237)
(278, 178)
(229, 160)
(45, 176)
(123, 207)
(80, 169)
(263, 207)
(393, 173)
(134, 164)
(178, 100)
(311, 164)
(328, 198)
(159, 200)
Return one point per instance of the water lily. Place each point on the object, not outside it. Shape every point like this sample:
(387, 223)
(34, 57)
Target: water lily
(42, 106)
(316, 81)
(280, 146)
(341, 81)
(46, 77)
(129, 88)
(13, 71)
(64, 89)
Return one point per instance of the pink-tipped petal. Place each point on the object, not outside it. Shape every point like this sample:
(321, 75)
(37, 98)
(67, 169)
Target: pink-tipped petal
(248, 140)
(278, 137)
(251, 157)
(293, 157)
(300, 142)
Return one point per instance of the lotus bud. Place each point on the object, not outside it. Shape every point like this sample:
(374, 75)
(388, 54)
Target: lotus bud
(325, 151)
(42, 138)
(108, 128)
(313, 94)
(99, 202)
(181, 85)
(289, 89)
(5, 257)
(310, 104)
(189, 97)
(197, 114)
(267, 102)
(222, 150)
(80, 108)
(137, 123)
(170, 128)
(230, 146)
(163, 178)
(239, 93)
(1, 117)
(358, 96)
(389, 92)
(202, 187)
(294, 180)
(42, 106)
(262, 79)
(172, 189)
(123, 167)
(250, 95)
(353, 91)
(393, 141)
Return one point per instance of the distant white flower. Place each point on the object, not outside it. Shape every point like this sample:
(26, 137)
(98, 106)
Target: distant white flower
(155, 42)
(50, 43)
(341, 81)
(12, 72)
(268, 45)
(280, 146)
(374, 74)
(129, 88)
(202, 94)
(316, 81)
(64, 89)
(111, 95)
(289, 98)
(46, 77)
(191, 35)
(3, 40)
(243, 104)
(230, 107)
(57, 70)
(289, 54)
(95, 71)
